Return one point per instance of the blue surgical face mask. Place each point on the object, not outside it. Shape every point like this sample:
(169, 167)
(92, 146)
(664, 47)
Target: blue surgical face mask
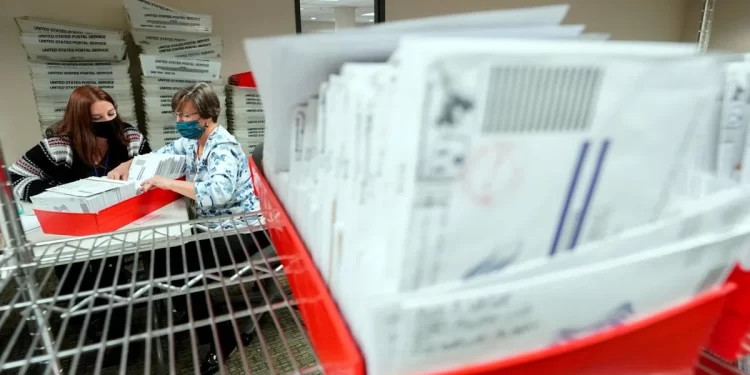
(190, 129)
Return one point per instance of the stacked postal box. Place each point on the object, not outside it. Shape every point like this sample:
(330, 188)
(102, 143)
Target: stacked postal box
(64, 56)
(245, 114)
(176, 50)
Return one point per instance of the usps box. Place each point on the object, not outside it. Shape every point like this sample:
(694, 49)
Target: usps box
(86, 39)
(69, 52)
(62, 83)
(171, 88)
(249, 133)
(172, 67)
(147, 5)
(118, 84)
(200, 51)
(146, 38)
(248, 112)
(181, 81)
(181, 46)
(107, 220)
(154, 19)
(43, 25)
(158, 142)
(108, 69)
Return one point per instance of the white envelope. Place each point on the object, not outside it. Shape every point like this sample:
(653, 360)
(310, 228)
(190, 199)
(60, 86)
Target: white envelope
(282, 85)
(481, 174)
(721, 213)
(427, 333)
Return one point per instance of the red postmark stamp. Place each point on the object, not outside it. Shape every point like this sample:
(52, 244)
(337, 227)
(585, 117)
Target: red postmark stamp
(490, 173)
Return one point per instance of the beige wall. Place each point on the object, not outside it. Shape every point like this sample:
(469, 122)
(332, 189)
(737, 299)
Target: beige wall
(730, 28)
(233, 20)
(623, 19)
(692, 20)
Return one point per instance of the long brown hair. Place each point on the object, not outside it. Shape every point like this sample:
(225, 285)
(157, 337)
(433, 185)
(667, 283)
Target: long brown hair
(77, 123)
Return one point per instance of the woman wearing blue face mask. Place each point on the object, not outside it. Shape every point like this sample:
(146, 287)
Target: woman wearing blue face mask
(218, 176)
(218, 180)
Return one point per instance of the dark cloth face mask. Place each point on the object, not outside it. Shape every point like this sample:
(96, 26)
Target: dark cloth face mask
(104, 129)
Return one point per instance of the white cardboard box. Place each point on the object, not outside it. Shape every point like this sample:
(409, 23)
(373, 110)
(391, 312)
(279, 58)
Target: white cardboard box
(80, 68)
(139, 18)
(154, 38)
(170, 67)
(71, 52)
(42, 25)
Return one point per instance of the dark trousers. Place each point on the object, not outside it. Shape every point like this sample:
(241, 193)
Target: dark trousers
(258, 158)
(213, 253)
(87, 273)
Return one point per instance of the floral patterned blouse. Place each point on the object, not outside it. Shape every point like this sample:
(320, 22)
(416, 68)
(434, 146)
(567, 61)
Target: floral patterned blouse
(221, 176)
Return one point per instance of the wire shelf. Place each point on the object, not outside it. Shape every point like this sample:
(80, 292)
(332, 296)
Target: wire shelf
(151, 300)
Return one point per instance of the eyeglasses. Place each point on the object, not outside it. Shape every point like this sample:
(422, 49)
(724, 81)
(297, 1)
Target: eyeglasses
(184, 116)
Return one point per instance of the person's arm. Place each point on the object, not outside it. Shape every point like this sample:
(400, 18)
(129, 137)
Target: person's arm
(218, 188)
(32, 174)
(184, 188)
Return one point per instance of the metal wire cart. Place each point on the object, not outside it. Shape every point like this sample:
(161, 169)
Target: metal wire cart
(99, 305)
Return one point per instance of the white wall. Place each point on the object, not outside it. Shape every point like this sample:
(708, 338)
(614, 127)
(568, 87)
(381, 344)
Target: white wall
(624, 19)
(233, 20)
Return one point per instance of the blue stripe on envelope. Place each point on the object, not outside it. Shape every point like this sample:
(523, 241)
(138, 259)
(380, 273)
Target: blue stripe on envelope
(589, 194)
(571, 191)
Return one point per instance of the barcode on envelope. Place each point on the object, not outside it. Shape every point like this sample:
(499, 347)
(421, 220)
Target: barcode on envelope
(527, 98)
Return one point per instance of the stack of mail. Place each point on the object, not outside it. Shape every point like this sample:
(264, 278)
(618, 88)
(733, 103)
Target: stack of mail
(176, 50)
(64, 56)
(165, 165)
(510, 182)
(245, 115)
(90, 195)
(727, 147)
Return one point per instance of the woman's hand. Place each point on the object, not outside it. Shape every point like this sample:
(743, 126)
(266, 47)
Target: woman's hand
(121, 172)
(156, 182)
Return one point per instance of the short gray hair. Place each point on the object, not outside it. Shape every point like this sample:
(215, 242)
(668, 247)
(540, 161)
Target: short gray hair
(203, 98)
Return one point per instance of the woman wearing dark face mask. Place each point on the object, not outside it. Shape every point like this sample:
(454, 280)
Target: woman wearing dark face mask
(89, 141)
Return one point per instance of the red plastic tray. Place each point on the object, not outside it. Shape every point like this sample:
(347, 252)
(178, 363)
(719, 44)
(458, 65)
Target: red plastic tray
(107, 220)
(245, 79)
(334, 345)
(666, 343)
(733, 326)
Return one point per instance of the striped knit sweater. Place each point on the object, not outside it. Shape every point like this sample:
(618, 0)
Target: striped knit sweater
(54, 162)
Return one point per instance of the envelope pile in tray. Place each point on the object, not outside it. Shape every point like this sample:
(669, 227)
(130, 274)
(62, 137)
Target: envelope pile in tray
(245, 115)
(89, 195)
(730, 156)
(176, 50)
(65, 56)
(153, 164)
(488, 185)
(94, 194)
